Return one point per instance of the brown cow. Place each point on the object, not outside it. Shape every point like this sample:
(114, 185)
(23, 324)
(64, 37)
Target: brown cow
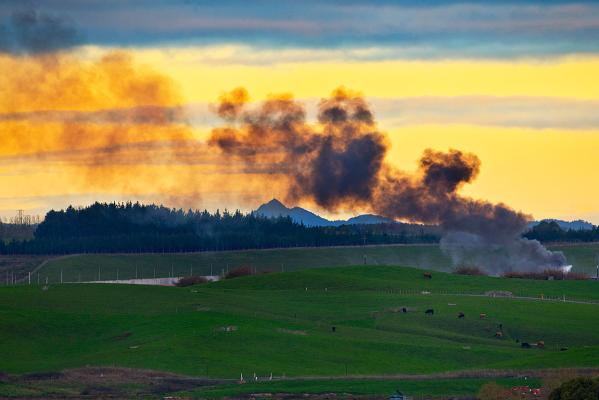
(427, 275)
(483, 316)
(498, 335)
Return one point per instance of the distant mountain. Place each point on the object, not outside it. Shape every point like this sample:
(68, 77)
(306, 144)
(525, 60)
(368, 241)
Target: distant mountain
(275, 208)
(578, 225)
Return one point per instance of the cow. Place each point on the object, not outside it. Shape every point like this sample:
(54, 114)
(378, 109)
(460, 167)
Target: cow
(498, 334)
(500, 327)
(541, 344)
(563, 349)
(427, 275)
(333, 329)
(525, 345)
(483, 316)
(430, 311)
(404, 310)
(461, 315)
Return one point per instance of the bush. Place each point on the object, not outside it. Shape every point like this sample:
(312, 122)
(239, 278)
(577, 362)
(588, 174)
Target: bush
(494, 391)
(191, 280)
(577, 389)
(237, 272)
(547, 274)
(464, 270)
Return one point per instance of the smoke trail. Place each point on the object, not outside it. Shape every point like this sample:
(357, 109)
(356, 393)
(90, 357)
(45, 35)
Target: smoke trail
(340, 161)
(108, 124)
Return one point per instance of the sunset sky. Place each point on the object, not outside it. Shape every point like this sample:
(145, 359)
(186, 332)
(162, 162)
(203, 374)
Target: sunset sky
(113, 100)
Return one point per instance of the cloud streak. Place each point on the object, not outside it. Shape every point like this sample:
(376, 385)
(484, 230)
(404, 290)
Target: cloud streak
(438, 29)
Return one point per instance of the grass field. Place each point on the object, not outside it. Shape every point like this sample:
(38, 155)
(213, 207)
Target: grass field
(66, 386)
(435, 387)
(281, 324)
(106, 266)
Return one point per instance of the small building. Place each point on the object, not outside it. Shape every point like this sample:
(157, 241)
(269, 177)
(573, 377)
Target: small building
(399, 396)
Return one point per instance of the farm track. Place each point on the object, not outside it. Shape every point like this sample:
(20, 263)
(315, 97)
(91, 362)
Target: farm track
(508, 373)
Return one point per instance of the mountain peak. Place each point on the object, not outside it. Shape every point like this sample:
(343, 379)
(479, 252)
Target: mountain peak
(273, 208)
(274, 203)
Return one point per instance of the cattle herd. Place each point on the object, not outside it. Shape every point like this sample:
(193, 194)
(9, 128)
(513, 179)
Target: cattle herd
(498, 333)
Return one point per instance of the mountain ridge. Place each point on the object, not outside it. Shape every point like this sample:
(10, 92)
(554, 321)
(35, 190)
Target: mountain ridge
(274, 208)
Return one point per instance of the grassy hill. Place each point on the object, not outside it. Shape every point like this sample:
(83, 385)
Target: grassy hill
(108, 266)
(282, 324)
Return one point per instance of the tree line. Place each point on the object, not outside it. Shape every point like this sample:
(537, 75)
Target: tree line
(134, 227)
(550, 231)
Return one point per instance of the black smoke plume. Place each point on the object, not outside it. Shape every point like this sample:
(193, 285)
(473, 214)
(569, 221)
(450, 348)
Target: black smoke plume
(340, 161)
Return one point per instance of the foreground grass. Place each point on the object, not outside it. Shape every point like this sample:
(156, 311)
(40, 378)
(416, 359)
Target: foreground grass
(65, 388)
(434, 387)
(282, 324)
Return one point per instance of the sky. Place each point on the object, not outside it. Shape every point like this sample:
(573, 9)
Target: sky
(115, 100)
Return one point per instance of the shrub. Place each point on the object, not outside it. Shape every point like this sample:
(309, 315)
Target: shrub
(191, 280)
(465, 270)
(237, 272)
(577, 389)
(494, 391)
(547, 274)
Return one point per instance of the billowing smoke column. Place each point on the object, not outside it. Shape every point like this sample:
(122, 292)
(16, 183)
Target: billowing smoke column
(341, 162)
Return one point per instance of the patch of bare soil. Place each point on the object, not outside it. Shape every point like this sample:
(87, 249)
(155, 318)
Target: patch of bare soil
(292, 331)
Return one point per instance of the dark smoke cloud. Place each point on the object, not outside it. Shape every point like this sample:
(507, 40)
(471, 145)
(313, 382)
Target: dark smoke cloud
(28, 31)
(334, 166)
(340, 162)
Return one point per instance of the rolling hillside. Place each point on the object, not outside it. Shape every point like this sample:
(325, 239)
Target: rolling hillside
(86, 267)
(282, 324)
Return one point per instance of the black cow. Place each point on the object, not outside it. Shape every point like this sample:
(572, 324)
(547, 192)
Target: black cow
(428, 275)
(525, 345)
(461, 315)
(333, 329)
(430, 311)
(404, 310)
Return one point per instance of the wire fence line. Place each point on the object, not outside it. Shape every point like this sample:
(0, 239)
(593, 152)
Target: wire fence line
(114, 276)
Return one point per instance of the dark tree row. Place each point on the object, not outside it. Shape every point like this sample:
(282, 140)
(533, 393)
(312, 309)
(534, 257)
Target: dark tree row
(11, 231)
(550, 231)
(131, 228)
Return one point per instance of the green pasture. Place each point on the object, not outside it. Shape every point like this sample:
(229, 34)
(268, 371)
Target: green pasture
(91, 267)
(281, 323)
